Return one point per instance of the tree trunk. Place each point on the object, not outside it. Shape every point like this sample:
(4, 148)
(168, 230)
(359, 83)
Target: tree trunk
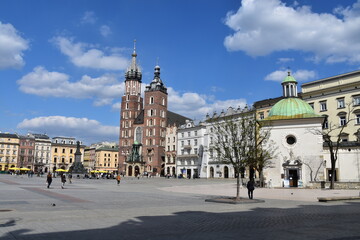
(332, 182)
(238, 187)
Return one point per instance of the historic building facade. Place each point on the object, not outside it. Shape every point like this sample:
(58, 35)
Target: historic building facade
(9, 150)
(63, 152)
(26, 151)
(190, 149)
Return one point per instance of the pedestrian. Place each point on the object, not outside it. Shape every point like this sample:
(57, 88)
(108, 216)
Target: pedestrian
(250, 186)
(63, 180)
(70, 177)
(118, 178)
(49, 179)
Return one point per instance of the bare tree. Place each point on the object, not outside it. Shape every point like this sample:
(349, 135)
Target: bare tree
(234, 142)
(263, 151)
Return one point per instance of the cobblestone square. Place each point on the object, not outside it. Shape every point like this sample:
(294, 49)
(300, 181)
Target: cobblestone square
(158, 208)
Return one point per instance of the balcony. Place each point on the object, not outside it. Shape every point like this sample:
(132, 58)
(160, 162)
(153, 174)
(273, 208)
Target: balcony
(187, 147)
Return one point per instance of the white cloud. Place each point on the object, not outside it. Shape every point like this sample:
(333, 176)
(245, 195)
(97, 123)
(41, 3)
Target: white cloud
(299, 75)
(194, 105)
(105, 30)
(87, 130)
(84, 55)
(88, 17)
(265, 26)
(284, 60)
(12, 46)
(43, 83)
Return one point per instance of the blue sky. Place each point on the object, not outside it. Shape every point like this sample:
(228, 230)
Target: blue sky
(62, 62)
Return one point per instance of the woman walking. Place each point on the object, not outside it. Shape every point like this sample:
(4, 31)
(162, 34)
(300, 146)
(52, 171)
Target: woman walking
(49, 179)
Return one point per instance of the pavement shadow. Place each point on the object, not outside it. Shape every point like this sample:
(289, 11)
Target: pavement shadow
(331, 222)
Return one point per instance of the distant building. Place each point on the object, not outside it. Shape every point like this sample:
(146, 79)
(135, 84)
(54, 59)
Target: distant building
(9, 150)
(26, 152)
(106, 158)
(63, 152)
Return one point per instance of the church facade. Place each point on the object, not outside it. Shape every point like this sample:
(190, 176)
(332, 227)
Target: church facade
(143, 122)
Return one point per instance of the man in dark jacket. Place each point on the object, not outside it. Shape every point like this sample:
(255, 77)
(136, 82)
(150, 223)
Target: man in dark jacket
(250, 186)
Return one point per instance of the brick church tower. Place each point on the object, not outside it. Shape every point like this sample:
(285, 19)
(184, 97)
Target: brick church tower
(142, 124)
(155, 122)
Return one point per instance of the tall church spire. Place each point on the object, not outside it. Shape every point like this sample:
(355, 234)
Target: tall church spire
(134, 71)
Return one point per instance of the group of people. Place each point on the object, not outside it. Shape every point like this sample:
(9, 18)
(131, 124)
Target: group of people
(62, 178)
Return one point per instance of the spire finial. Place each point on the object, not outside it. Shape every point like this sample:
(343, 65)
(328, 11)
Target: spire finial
(157, 61)
(134, 53)
(289, 71)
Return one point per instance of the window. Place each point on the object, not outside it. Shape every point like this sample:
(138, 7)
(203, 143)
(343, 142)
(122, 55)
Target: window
(195, 151)
(195, 142)
(261, 115)
(326, 122)
(340, 103)
(189, 134)
(182, 134)
(311, 105)
(291, 140)
(71, 151)
(211, 140)
(188, 142)
(342, 120)
(55, 150)
(358, 118)
(195, 133)
(356, 100)
(151, 100)
(182, 143)
(323, 106)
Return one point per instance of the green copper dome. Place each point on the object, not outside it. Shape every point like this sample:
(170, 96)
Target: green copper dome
(291, 108)
(289, 78)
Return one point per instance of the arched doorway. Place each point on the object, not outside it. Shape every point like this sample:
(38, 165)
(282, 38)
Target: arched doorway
(168, 170)
(137, 170)
(130, 171)
(173, 171)
(226, 172)
(211, 172)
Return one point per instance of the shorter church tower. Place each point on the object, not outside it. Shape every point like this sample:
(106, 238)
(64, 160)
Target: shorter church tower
(155, 122)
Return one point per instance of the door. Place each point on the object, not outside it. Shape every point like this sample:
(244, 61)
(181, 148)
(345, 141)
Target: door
(226, 172)
(293, 177)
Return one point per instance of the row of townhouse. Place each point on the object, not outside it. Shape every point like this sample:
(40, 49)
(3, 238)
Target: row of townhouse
(189, 152)
(37, 152)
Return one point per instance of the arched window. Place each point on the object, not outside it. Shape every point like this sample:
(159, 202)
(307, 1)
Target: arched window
(151, 101)
(138, 134)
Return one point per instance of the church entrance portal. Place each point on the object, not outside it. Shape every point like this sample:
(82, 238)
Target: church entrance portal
(137, 171)
(130, 171)
(211, 172)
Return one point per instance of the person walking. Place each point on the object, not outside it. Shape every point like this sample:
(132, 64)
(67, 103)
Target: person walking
(70, 178)
(63, 180)
(250, 186)
(118, 178)
(49, 179)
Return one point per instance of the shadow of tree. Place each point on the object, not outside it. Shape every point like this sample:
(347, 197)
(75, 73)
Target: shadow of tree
(332, 222)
